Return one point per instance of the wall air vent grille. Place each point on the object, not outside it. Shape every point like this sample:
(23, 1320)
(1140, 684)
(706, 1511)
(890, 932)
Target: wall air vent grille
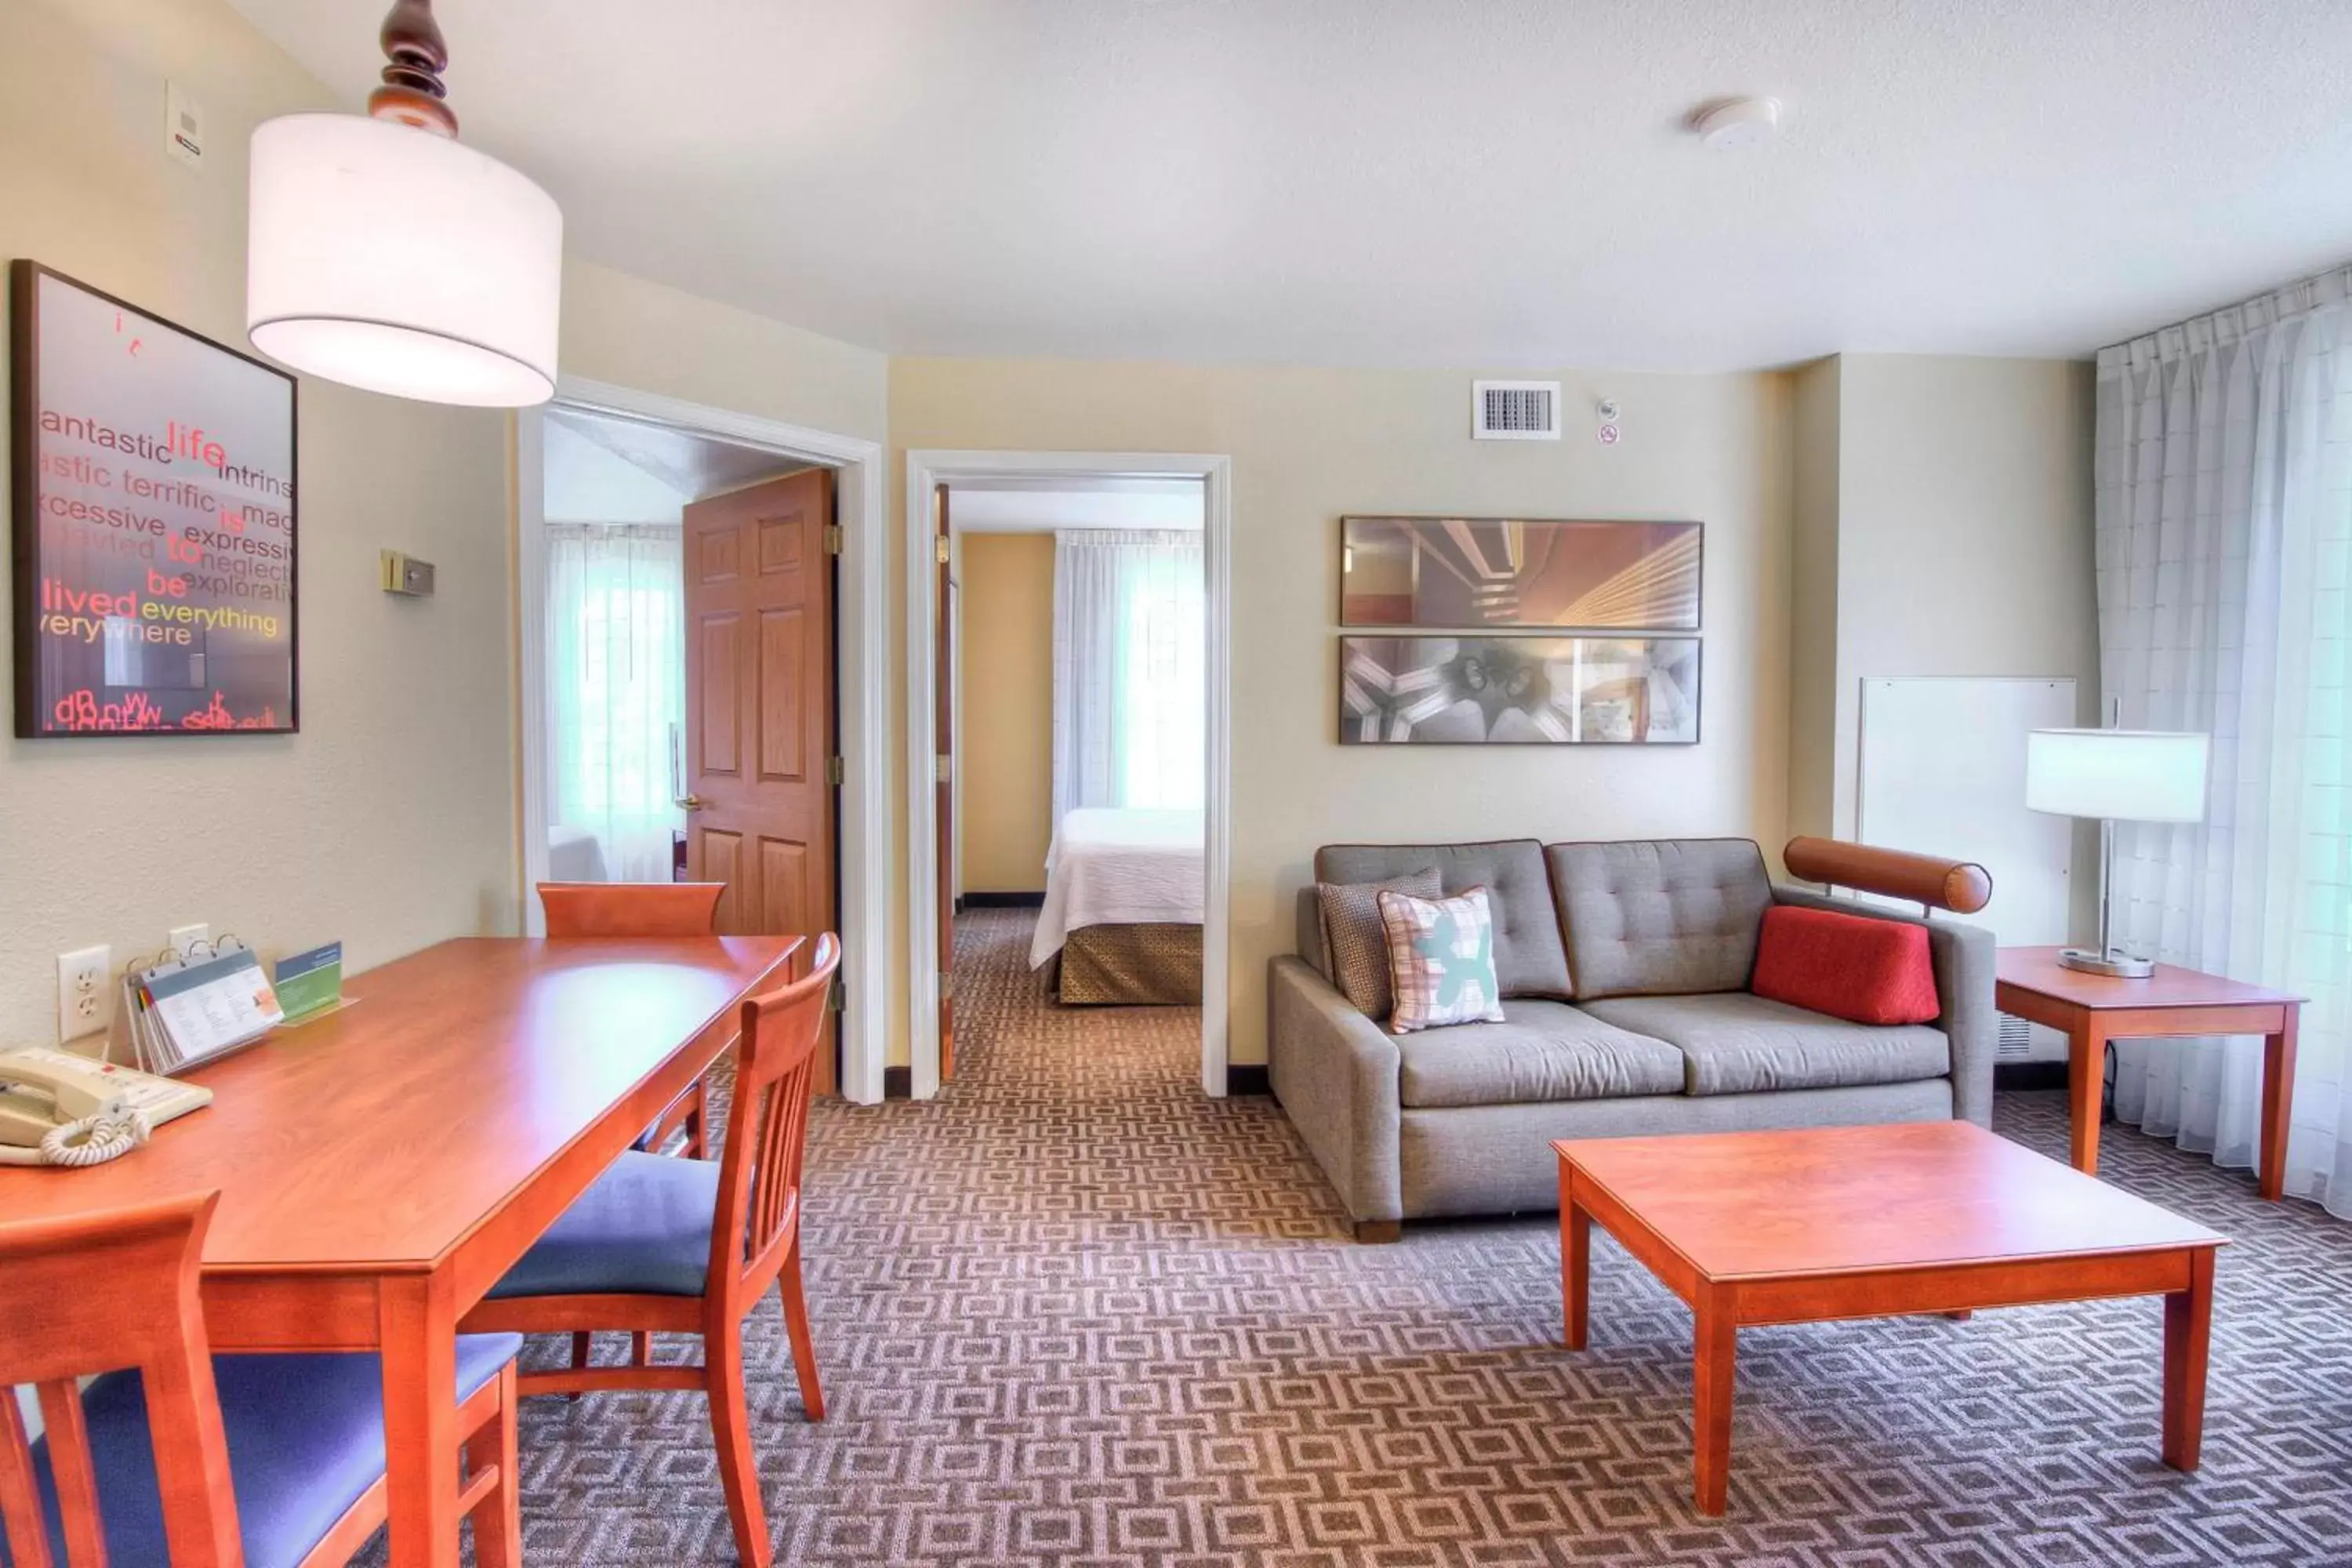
(2015, 1039)
(1515, 410)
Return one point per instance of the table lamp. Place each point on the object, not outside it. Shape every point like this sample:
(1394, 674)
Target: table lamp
(2115, 775)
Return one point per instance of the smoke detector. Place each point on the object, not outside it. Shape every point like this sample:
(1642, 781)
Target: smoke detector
(1736, 124)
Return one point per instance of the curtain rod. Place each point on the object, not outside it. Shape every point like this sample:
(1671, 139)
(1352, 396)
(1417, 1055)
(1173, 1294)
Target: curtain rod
(2303, 294)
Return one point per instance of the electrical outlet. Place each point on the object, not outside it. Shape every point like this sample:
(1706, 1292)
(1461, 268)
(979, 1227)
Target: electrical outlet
(184, 938)
(85, 992)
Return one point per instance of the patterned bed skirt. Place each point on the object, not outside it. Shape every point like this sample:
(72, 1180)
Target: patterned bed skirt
(1130, 966)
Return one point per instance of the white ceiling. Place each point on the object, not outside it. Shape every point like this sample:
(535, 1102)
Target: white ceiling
(1455, 182)
(603, 469)
(1040, 503)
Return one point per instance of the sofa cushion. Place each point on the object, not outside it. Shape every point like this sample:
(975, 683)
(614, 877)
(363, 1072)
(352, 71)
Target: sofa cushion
(1660, 917)
(1529, 958)
(1735, 1043)
(1355, 945)
(1440, 960)
(1855, 967)
(1540, 1051)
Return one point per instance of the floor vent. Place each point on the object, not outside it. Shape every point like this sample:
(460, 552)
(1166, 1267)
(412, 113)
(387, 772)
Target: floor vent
(1515, 410)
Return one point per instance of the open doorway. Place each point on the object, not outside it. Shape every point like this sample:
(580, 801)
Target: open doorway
(1071, 692)
(686, 629)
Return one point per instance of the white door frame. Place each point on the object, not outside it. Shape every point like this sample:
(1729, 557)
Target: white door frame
(926, 472)
(862, 489)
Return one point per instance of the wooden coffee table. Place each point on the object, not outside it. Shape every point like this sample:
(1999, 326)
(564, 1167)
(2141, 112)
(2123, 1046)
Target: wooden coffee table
(1872, 1222)
(2092, 1009)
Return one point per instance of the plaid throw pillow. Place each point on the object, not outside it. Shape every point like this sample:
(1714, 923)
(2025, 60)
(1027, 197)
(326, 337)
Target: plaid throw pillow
(1440, 960)
(1355, 944)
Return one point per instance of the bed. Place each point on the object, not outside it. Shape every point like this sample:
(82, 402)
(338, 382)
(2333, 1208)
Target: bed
(1121, 923)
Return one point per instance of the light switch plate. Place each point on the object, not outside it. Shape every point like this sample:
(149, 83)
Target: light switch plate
(184, 938)
(85, 992)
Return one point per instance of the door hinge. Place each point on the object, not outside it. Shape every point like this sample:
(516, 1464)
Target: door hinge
(942, 543)
(832, 539)
(947, 767)
(833, 995)
(836, 772)
(947, 985)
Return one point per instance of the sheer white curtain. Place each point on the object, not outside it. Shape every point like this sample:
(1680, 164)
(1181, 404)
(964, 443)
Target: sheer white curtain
(616, 690)
(1130, 714)
(2225, 515)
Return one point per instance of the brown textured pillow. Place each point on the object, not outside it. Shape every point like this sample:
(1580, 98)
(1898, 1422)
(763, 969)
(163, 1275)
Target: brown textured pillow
(1355, 946)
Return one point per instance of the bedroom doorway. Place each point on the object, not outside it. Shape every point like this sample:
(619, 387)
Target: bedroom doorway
(1067, 662)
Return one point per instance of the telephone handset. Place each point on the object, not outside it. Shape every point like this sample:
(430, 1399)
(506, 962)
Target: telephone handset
(60, 1108)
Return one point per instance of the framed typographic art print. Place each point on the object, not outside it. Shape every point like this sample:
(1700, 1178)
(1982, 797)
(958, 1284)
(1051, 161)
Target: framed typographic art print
(153, 524)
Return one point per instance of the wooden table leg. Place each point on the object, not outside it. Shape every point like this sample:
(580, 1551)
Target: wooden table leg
(1717, 1347)
(2087, 1075)
(2278, 1101)
(419, 1331)
(1575, 1260)
(2187, 1328)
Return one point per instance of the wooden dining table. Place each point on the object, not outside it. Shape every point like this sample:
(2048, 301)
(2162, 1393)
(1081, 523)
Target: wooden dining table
(381, 1168)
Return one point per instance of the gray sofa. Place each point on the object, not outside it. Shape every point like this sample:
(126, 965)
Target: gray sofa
(1623, 969)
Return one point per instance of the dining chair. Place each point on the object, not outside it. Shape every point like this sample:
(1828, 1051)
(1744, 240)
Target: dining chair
(174, 1455)
(686, 1246)
(642, 908)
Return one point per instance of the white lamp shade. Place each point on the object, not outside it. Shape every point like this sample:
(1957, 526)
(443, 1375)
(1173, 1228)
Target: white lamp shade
(402, 261)
(2125, 775)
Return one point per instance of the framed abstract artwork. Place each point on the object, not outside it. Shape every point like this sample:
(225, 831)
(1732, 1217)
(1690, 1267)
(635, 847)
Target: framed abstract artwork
(154, 486)
(1518, 690)
(1475, 573)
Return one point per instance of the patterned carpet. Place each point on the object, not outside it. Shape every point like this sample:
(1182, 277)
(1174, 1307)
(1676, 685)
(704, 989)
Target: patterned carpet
(1071, 1312)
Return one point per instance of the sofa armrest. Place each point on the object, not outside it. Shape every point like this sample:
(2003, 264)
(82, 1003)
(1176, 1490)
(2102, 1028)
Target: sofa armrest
(1335, 1072)
(1962, 957)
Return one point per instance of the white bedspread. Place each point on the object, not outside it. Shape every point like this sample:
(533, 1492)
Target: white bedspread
(1120, 868)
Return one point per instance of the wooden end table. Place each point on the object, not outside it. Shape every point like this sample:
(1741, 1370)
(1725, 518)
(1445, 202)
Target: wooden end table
(2092, 1009)
(1868, 1222)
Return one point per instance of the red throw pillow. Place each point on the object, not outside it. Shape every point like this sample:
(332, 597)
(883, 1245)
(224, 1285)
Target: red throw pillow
(1850, 967)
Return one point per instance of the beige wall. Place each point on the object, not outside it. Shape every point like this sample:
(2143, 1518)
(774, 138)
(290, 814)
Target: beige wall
(388, 821)
(1938, 510)
(1309, 446)
(1944, 529)
(1005, 751)
(1813, 604)
(1962, 530)
(651, 338)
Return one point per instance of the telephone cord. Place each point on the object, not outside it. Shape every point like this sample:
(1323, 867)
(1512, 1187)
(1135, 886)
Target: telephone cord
(92, 1141)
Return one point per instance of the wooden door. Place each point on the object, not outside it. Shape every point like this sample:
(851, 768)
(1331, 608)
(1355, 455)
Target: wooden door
(759, 709)
(943, 771)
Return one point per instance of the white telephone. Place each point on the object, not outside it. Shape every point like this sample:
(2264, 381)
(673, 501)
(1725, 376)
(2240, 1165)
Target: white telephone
(60, 1108)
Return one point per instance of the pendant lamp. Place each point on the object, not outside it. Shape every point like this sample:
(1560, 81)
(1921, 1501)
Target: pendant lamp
(385, 254)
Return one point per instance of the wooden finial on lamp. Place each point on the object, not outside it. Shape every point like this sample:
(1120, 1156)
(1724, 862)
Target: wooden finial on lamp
(412, 92)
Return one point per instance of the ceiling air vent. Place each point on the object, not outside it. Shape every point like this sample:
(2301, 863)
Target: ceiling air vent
(1515, 410)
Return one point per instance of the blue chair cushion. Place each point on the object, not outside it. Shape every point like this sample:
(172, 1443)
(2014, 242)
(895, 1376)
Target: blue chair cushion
(644, 1229)
(305, 1442)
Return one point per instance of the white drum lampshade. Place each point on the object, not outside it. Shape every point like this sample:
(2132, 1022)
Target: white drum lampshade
(2117, 775)
(402, 261)
(2111, 776)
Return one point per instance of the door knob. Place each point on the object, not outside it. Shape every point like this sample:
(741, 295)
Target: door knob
(690, 801)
